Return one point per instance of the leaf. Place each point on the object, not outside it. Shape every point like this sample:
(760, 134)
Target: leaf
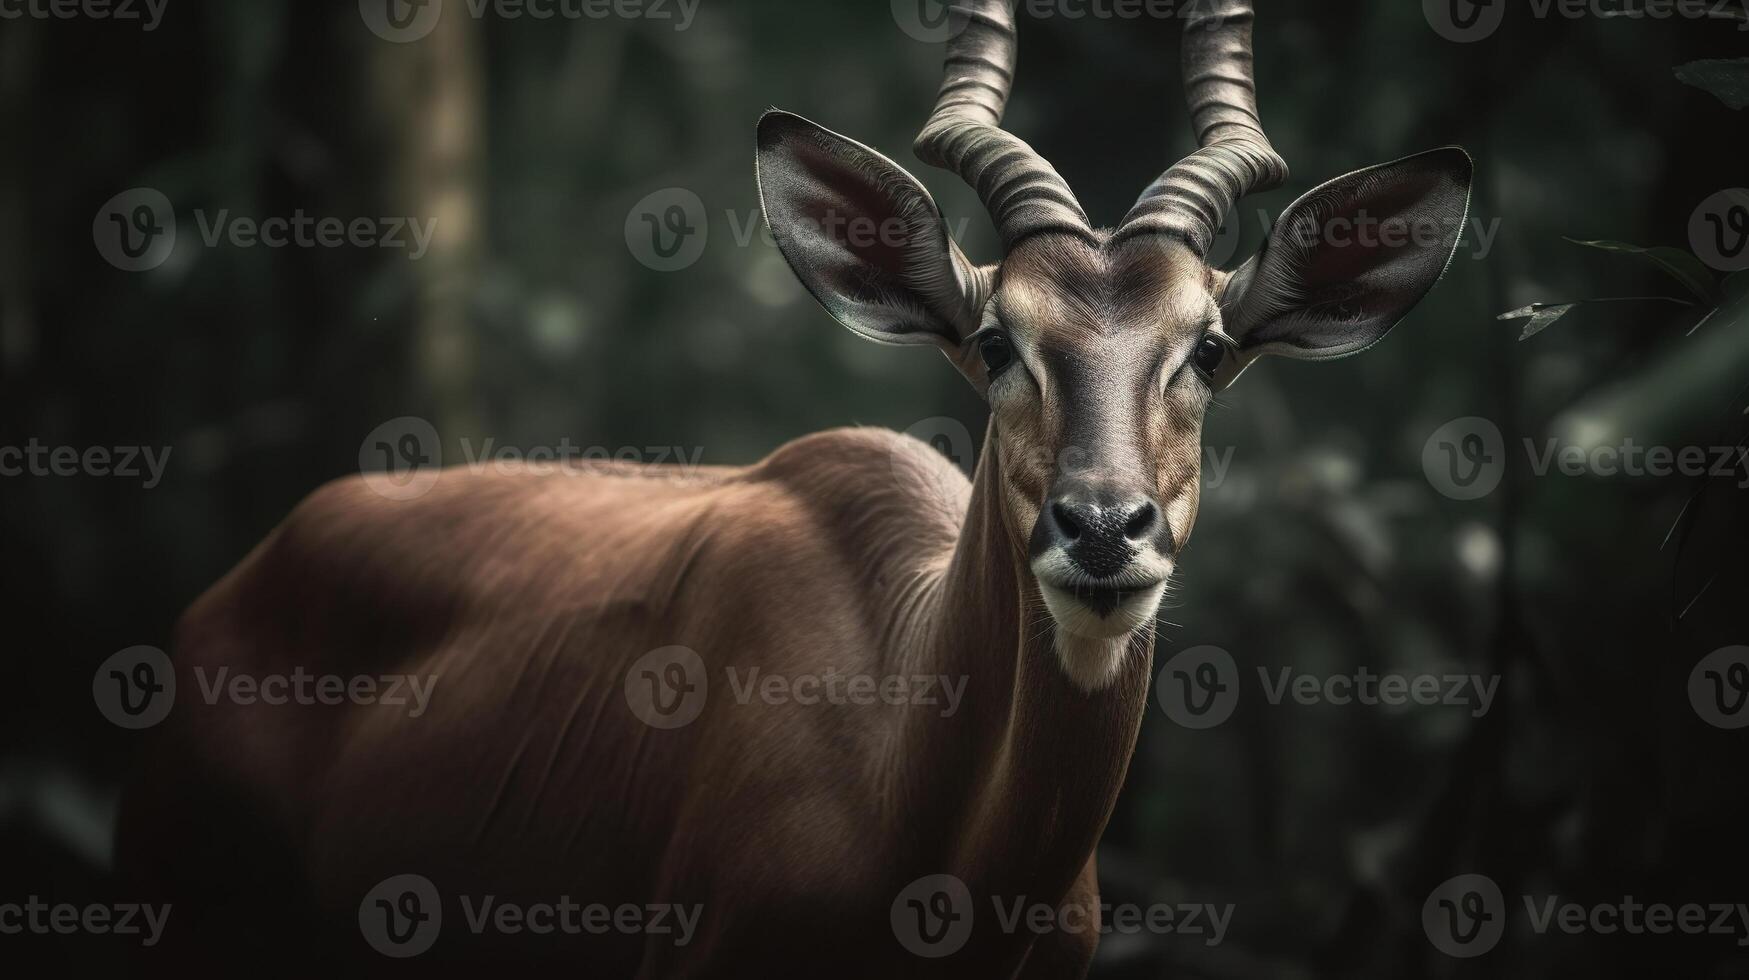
(1703, 321)
(1734, 289)
(1729, 80)
(1681, 265)
(1541, 316)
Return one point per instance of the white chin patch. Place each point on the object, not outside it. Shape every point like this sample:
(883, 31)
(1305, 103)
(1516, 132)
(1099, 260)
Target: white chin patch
(1091, 647)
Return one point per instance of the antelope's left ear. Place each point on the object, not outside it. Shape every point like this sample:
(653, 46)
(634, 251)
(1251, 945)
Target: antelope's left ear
(865, 237)
(1348, 260)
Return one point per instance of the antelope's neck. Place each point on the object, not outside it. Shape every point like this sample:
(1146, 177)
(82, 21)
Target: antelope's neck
(1043, 759)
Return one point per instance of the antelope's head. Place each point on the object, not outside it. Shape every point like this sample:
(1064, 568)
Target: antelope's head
(1099, 351)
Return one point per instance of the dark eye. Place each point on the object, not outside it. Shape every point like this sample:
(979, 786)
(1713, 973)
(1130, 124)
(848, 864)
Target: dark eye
(1208, 357)
(997, 354)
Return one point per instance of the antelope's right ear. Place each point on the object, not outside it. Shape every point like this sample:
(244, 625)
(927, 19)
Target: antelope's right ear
(1349, 260)
(865, 237)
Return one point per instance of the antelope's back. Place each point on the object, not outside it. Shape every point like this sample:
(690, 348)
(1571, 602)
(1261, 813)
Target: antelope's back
(519, 604)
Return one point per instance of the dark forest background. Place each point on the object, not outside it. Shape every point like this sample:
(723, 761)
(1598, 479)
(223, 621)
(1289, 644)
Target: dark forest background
(1325, 546)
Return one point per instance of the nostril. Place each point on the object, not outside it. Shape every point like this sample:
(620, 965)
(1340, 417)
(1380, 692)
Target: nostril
(1065, 521)
(1142, 522)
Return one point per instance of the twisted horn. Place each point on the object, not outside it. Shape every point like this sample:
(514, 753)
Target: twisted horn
(1191, 199)
(1022, 191)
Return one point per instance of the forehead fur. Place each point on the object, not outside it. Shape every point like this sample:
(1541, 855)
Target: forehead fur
(1066, 286)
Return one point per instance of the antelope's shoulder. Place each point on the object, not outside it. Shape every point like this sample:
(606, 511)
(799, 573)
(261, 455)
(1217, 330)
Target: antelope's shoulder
(854, 471)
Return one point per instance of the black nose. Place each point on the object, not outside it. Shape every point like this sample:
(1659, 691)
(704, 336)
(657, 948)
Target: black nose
(1100, 533)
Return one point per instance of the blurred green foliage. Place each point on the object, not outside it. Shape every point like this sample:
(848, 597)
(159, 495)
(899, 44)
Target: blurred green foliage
(1324, 547)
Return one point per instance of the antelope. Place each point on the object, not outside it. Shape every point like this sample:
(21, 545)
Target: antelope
(561, 615)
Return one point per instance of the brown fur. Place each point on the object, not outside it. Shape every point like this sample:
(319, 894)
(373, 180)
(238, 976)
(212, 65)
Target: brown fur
(529, 777)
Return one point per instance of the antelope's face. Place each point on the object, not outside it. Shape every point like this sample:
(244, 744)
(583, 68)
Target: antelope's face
(1097, 362)
(1099, 351)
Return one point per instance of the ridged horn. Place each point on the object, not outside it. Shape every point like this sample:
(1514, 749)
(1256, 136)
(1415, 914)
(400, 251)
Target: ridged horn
(1022, 191)
(1193, 197)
